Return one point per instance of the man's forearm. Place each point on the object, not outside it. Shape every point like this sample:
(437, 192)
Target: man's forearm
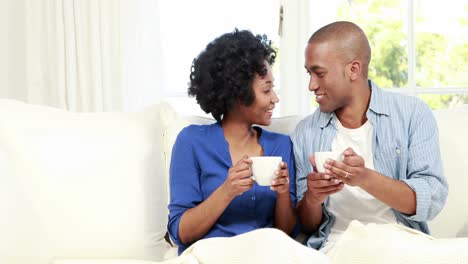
(394, 193)
(310, 215)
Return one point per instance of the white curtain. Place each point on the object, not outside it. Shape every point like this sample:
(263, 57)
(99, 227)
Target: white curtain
(142, 60)
(92, 55)
(296, 30)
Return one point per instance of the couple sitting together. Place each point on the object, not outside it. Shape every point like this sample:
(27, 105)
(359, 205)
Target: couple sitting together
(391, 171)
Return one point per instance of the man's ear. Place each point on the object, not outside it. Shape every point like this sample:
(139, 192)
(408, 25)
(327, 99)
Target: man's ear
(355, 68)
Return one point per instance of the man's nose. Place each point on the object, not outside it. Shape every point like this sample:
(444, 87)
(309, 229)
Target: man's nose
(313, 84)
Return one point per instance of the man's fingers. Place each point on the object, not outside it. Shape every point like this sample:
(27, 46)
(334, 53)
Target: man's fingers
(349, 152)
(333, 191)
(324, 183)
(355, 161)
(315, 176)
(312, 162)
(340, 173)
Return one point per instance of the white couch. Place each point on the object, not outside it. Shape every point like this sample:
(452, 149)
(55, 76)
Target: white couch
(94, 185)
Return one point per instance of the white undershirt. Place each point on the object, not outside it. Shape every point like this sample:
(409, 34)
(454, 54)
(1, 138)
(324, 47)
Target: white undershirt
(353, 203)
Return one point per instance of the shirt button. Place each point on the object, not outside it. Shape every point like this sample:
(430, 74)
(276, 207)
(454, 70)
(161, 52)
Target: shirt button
(253, 198)
(398, 151)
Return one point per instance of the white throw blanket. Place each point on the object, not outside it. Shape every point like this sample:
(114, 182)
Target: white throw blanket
(392, 243)
(360, 244)
(267, 245)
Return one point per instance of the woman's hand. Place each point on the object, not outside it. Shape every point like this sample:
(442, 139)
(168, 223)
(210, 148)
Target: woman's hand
(238, 180)
(281, 183)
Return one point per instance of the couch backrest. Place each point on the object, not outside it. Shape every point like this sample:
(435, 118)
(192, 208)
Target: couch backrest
(453, 136)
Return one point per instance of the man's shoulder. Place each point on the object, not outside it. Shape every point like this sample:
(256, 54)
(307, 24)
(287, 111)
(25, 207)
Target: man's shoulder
(310, 121)
(402, 103)
(308, 126)
(409, 102)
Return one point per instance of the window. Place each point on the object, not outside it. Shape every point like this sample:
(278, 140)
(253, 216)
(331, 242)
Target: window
(418, 47)
(188, 26)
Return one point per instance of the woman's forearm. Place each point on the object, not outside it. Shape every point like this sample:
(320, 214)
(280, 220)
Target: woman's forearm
(285, 214)
(197, 221)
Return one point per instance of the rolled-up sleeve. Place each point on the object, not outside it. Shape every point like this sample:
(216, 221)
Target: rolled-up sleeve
(184, 182)
(425, 173)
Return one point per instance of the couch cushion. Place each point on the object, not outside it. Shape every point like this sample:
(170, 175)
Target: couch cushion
(83, 185)
(463, 231)
(453, 128)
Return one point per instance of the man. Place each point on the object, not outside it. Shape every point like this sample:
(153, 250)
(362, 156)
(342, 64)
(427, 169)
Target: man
(391, 170)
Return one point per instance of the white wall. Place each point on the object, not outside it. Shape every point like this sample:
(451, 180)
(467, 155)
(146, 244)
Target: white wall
(12, 49)
(295, 96)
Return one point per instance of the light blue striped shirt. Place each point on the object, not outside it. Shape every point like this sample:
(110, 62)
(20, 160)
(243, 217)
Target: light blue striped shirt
(405, 146)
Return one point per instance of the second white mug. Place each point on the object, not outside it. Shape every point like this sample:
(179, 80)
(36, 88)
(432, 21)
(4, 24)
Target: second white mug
(322, 156)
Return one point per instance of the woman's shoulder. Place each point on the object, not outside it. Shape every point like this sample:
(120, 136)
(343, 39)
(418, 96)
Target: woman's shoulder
(274, 136)
(198, 131)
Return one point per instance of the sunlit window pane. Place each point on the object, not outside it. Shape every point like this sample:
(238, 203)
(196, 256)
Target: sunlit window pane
(445, 101)
(441, 35)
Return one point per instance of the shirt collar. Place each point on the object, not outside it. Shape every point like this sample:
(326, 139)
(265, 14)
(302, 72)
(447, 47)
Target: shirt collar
(378, 103)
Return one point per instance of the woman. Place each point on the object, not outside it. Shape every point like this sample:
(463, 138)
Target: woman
(212, 193)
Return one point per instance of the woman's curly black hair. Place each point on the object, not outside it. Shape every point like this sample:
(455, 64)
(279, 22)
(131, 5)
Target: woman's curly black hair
(223, 73)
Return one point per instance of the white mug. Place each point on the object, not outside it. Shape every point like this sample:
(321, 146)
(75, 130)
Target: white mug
(322, 156)
(263, 169)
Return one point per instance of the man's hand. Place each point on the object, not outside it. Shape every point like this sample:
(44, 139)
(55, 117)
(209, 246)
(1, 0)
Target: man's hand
(351, 171)
(320, 185)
